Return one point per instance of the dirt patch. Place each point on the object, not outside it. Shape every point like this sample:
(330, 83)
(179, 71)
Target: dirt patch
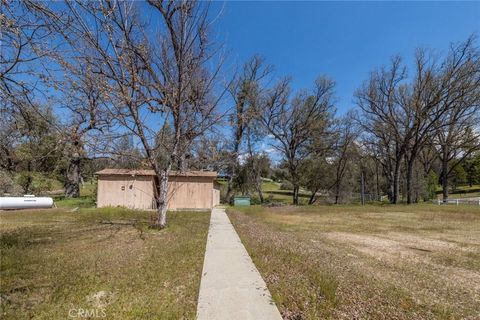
(101, 299)
(377, 263)
(410, 255)
(378, 247)
(394, 244)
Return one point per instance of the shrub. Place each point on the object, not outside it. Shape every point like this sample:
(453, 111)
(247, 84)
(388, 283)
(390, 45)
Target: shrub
(8, 184)
(35, 182)
(286, 185)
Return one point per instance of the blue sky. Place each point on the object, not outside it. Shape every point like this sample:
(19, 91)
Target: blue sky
(344, 40)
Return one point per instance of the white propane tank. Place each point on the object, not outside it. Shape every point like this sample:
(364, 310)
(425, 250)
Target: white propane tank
(25, 202)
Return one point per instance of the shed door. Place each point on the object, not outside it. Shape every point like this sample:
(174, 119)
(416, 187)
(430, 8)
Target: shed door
(130, 193)
(139, 192)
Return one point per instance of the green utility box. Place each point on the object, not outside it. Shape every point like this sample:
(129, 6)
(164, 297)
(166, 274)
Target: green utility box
(241, 201)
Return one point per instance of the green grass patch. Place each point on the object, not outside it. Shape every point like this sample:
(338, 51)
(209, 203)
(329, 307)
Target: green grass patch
(80, 202)
(270, 186)
(462, 192)
(108, 260)
(88, 193)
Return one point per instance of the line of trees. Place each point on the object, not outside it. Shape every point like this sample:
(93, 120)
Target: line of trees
(434, 107)
(412, 127)
(88, 84)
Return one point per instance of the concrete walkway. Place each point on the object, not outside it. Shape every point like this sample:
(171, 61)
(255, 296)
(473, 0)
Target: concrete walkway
(231, 286)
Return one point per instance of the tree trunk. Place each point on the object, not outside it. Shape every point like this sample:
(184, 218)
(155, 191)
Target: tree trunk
(337, 184)
(396, 183)
(236, 148)
(230, 191)
(444, 176)
(312, 197)
(72, 178)
(296, 189)
(161, 199)
(182, 163)
(260, 195)
(28, 179)
(259, 190)
(28, 183)
(337, 193)
(362, 182)
(410, 182)
(229, 194)
(390, 187)
(9, 165)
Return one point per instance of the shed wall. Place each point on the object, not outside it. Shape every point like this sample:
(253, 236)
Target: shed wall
(137, 192)
(190, 193)
(216, 197)
(126, 191)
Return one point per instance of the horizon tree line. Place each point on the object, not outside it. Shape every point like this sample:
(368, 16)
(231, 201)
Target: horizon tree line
(86, 84)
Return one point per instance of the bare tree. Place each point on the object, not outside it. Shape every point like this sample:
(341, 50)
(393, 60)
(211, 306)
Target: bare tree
(9, 136)
(380, 120)
(83, 97)
(344, 153)
(24, 44)
(257, 161)
(245, 90)
(151, 80)
(23, 48)
(296, 124)
(459, 139)
(402, 116)
(328, 168)
(40, 36)
(457, 133)
(437, 89)
(316, 175)
(28, 141)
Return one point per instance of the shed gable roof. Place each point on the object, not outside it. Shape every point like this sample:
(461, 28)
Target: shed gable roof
(144, 172)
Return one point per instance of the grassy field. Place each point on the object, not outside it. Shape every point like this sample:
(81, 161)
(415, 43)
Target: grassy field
(88, 192)
(462, 192)
(56, 263)
(372, 262)
(273, 193)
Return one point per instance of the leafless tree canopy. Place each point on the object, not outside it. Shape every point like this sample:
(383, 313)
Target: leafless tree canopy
(138, 75)
(87, 82)
(402, 114)
(297, 122)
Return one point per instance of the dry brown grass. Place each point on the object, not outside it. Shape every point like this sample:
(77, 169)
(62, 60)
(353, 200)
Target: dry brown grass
(372, 262)
(53, 261)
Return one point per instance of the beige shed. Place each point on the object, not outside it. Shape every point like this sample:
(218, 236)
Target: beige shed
(134, 189)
